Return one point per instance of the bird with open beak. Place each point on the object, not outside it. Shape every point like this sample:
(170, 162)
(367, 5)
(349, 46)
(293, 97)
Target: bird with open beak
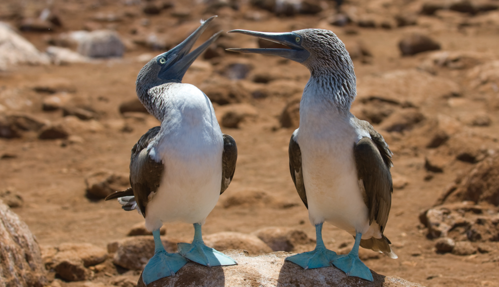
(340, 165)
(179, 169)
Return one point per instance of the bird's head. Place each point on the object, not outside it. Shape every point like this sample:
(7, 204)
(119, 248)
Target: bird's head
(318, 49)
(171, 66)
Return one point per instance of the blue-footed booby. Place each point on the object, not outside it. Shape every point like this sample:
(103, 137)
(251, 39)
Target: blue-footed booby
(340, 165)
(179, 169)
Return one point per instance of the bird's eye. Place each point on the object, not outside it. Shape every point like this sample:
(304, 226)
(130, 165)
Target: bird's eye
(297, 39)
(162, 61)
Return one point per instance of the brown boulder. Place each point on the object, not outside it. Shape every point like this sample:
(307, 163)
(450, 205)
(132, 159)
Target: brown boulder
(54, 85)
(69, 267)
(10, 197)
(90, 254)
(56, 102)
(53, 132)
(133, 105)
(444, 245)
(402, 120)
(290, 115)
(20, 258)
(134, 252)
(282, 238)
(248, 198)
(416, 43)
(237, 241)
(222, 91)
(15, 124)
(268, 270)
(463, 248)
(232, 115)
(102, 183)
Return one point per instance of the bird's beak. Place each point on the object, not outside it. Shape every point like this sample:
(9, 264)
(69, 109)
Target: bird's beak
(179, 57)
(292, 40)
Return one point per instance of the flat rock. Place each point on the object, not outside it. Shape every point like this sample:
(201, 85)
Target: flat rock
(416, 43)
(54, 85)
(231, 116)
(140, 229)
(464, 248)
(444, 245)
(134, 252)
(21, 263)
(65, 56)
(53, 132)
(282, 238)
(402, 120)
(235, 240)
(268, 270)
(90, 254)
(132, 106)
(102, 183)
(69, 266)
(56, 102)
(11, 197)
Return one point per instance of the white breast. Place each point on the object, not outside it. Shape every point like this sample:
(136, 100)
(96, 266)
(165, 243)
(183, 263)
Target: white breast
(191, 149)
(326, 138)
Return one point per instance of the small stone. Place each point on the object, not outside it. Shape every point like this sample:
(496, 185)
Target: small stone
(237, 241)
(290, 115)
(402, 120)
(102, 183)
(416, 43)
(10, 197)
(90, 254)
(435, 163)
(56, 102)
(69, 267)
(101, 44)
(140, 229)
(464, 248)
(445, 245)
(151, 9)
(282, 238)
(133, 105)
(232, 115)
(53, 132)
(36, 25)
(81, 113)
(54, 85)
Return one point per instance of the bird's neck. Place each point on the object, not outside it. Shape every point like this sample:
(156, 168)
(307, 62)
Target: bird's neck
(154, 97)
(336, 90)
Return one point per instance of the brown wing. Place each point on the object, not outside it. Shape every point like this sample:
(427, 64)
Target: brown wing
(295, 168)
(229, 159)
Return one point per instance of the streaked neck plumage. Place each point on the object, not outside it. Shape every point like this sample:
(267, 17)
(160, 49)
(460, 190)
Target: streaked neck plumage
(151, 91)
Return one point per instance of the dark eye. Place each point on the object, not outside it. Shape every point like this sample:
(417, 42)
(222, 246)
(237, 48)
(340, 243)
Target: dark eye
(162, 60)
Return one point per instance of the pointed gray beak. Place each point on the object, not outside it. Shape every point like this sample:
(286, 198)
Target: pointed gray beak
(176, 61)
(290, 39)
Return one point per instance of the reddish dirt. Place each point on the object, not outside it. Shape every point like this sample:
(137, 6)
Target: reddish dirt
(49, 174)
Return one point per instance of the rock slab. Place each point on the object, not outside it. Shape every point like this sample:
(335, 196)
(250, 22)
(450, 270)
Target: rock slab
(268, 270)
(20, 257)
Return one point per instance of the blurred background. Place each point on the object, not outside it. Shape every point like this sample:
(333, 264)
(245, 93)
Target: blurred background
(428, 80)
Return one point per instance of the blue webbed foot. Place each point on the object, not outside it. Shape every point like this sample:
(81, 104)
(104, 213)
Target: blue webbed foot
(202, 254)
(320, 257)
(162, 264)
(352, 266)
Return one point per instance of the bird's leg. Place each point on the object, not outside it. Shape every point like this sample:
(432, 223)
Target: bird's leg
(318, 258)
(162, 264)
(198, 252)
(351, 264)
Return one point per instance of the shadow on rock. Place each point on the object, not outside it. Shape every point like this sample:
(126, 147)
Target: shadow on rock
(191, 274)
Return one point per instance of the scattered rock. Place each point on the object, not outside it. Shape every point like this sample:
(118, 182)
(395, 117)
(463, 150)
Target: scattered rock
(90, 254)
(268, 270)
(21, 263)
(408, 88)
(53, 132)
(36, 25)
(77, 126)
(54, 85)
(140, 229)
(477, 120)
(19, 50)
(151, 9)
(101, 44)
(56, 102)
(481, 184)
(455, 60)
(416, 43)
(102, 183)
(232, 115)
(223, 91)
(237, 241)
(10, 197)
(236, 71)
(134, 252)
(84, 114)
(282, 238)
(445, 245)
(64, 56)
(290, 115)
(463, 248)
(248, 198)
(435, 163)
(69, 267)
(133, 105)
(402, 120)
(485, 77)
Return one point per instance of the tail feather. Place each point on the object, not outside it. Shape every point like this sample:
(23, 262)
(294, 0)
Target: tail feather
(380, 245)
(128, 203)
(117, 194)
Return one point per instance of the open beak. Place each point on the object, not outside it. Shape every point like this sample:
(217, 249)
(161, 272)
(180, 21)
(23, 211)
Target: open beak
(292, 40)
(179, 57)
